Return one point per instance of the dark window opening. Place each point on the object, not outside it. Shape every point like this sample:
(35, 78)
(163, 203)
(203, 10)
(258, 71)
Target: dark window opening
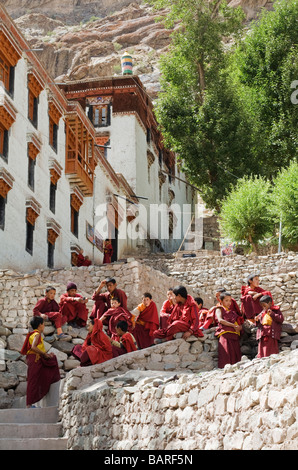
(74, 222)
(29, 237)
(2, 212)
(51, 250)
(53, 188)
(31, 173)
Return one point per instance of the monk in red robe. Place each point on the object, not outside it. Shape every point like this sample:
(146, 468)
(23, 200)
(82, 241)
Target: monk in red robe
(228, 331)
(184, 319)
(146, 321)
(96, 348)
(211, 319)
(73, 306)
(124, 342)
(48, 308)
(83, 260)
(103, 300)
(43, 369)
(250, 297)
(203, 312)
(269, 323)
(115, 314)
(108, 251)
(166, 309)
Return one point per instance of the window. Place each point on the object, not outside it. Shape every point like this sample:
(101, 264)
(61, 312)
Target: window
(32, 108)
(29, 237)
(4, 143)
(51, 250)
(53, 135)
(100, 116)
(53, 188)
(31, 172)
(2, 212)
(74, 222)
(6, 74)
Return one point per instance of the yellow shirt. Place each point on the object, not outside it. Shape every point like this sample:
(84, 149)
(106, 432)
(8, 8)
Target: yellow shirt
(40, 346)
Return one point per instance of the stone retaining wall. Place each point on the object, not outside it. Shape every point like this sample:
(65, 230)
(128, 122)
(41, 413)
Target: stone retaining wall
(251, 405)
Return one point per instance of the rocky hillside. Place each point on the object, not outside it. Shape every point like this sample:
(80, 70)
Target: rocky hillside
(82, 39)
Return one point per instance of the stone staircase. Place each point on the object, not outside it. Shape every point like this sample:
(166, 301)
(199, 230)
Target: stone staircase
(31, 429)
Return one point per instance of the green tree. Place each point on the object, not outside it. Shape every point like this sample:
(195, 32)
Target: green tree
(285, 202)
(246, 214)
(199, 110)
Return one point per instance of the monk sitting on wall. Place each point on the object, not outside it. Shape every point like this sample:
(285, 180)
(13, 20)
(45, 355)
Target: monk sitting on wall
(115, 314)
(103, 300)
(73, 306)
(166, 309)
(48, 308)
(124, 342)
(146, 321)
(250, 297)
(83, 260)
(184, 319)
(96, 348)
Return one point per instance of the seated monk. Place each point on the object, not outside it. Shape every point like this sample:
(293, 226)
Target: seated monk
(124, 341)
(103, 300)
(250, 297)
(83, 260)
(73, 306)
(146, 321)
(48, 308)
(166, 309)
(96, 348)
(43, 369)
(114, 315)
(202, 311)
(184, 319)
(229, 326)
(211, 318)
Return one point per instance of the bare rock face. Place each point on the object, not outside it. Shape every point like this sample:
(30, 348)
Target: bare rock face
(252, 7)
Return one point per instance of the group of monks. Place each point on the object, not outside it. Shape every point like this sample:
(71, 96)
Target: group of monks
(114, 330)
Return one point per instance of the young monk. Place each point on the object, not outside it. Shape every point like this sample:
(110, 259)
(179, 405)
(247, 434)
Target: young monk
(211, 319)
(124, 342)
(228, 332)
(103, 300)
(83, 260)
(166, 309)
(146, 321)
(43, 368)
(108, 251)
(114, 315)
(269, 323)
(73, 306)
(184, 319)
(202, 311)
(250, 297)
(96, 348)
(48, 308)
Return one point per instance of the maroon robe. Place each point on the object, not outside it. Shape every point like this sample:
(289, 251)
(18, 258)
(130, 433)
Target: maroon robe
(103, 302)
(165, 313)
(250, 307)
(127, 344)
(228, 345)
(211, 319)
(146, 324)
(115, 315)
(41, 373)
(73, 310)
(96, 348)
(108, 253)
(51, 309)
(268, 335)
(82, 261)
(184, 317)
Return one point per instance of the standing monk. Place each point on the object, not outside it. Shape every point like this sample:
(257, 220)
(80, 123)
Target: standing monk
(269, 323)
(250, 297)
(211, 319)
(48, 308)
(228, 332)
(73, 306)
(184, 319)
(146, 321)
(108, 251)
(103, 301)
(43, 368)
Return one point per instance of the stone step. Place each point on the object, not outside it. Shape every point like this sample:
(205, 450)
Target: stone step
(29, 430)
(30, 415)
(34, 444)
